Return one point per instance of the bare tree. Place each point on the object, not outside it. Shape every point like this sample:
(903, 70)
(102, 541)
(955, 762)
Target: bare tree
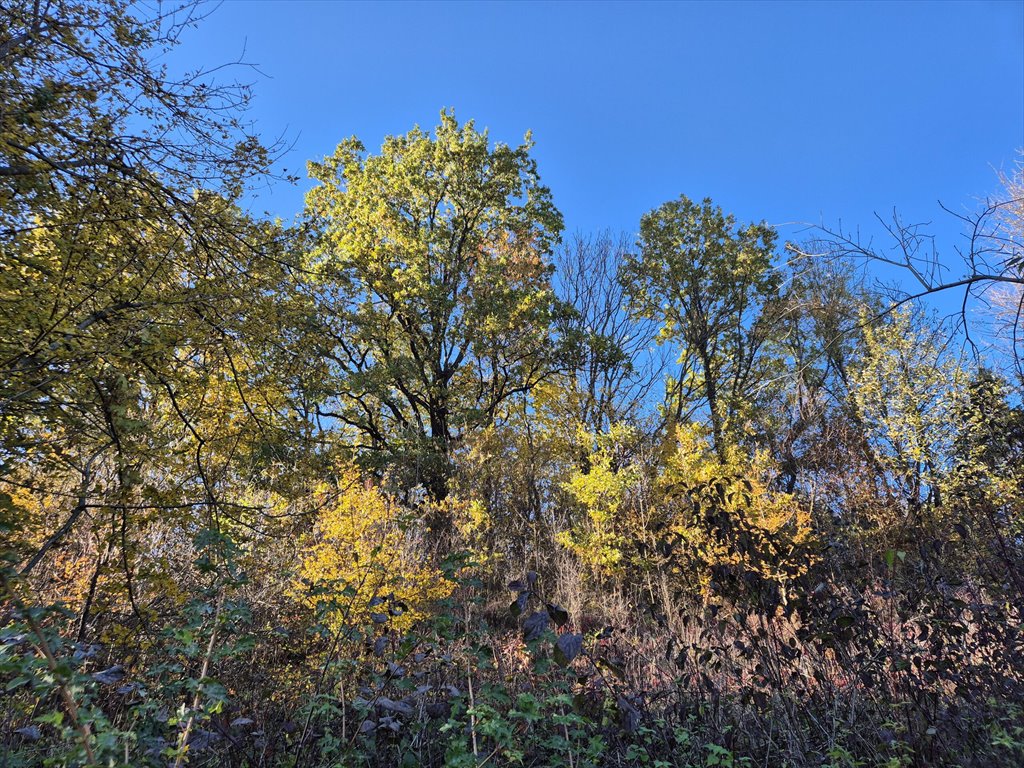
(989, 277)
(616, 363)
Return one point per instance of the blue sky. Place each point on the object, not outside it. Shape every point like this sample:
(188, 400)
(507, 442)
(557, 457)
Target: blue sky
(788, 112)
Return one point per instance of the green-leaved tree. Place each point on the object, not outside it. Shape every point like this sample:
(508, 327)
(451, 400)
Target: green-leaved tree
(432, 263)
(711, 285)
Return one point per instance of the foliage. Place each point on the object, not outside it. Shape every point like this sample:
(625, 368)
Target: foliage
(906, 390)
(388, 490)
(361, 540)
(435, 279)
(711, 284)
(606, 490)
(732, 522)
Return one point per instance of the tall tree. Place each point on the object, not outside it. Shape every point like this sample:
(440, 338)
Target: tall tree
(614, 366)
(136, 295)
(88, 102)
(905, 390)
(433, 269)
(818, 332)
(711, 285)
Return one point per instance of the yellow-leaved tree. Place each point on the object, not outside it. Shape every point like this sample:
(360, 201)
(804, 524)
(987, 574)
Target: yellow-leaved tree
(906, 391)
(609, 492)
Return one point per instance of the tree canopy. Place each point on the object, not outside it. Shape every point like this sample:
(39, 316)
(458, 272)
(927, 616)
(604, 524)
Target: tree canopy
(433, 271)
(711, 284)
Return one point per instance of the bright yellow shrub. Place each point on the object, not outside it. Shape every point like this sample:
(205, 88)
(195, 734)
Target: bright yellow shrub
(604, 492)
(732, 517)
(364, 550)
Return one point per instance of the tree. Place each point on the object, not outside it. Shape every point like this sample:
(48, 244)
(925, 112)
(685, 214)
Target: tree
(609, 493)
(817, 336)
(432, 263)
(615, 369)
(360, 547)
(905, 390)
(102, 156)
(141, 311)
(1008, 298)
(138, 299)
(985, 487)
(711, 284)
(990, 252)
(86, 103)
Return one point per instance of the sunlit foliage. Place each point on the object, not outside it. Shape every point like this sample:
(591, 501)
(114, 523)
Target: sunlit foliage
(730, 516)
(364, 556)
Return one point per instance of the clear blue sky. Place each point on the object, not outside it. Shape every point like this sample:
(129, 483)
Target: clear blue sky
(779, 111)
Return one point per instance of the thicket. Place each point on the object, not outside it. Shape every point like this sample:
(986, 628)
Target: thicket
(422, 481)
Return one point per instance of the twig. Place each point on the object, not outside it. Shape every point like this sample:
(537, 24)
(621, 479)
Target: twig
(472, 714)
